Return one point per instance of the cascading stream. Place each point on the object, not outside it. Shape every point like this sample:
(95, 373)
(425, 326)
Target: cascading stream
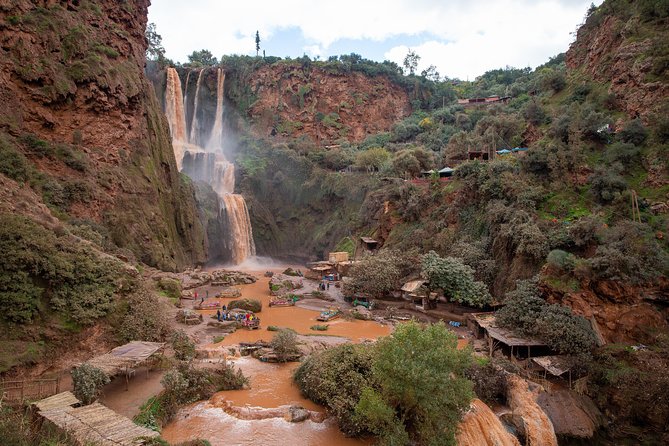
(209, 164)
(176, 118)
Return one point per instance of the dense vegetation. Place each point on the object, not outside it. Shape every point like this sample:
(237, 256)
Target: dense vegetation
(409, 387)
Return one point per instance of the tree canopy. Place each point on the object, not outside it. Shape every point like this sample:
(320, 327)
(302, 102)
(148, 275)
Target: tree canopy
(455, 279)
(422, 392)
(202, 58)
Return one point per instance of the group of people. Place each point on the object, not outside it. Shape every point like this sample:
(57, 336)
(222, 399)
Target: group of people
(324, 285)
(228, 316)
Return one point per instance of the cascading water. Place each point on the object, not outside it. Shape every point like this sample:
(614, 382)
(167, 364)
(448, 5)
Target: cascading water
(209, 164)
(176, 118)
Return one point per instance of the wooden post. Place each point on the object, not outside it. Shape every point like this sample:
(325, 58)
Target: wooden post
(490, 344)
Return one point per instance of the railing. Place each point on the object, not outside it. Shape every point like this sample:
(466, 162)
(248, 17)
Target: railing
(22, 390)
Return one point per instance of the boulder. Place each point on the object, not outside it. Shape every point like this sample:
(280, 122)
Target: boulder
(297, 414)
(253, 305)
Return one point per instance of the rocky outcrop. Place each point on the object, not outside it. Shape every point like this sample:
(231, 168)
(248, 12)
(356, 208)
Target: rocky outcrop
(532, 420)
(572, 415)
(617, 308)
(481, 427)
(612, 47)
(293, 100)
(76, 103)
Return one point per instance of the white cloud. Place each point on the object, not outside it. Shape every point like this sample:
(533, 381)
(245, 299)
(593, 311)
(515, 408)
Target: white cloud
(466, 37)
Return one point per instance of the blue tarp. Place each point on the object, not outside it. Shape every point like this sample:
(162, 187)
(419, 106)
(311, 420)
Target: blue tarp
(503, 151)
(520, 149)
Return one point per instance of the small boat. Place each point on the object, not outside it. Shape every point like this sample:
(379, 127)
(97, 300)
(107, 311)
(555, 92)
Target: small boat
(207, 306)
(251, 324)
(284, 301)
(329, 314)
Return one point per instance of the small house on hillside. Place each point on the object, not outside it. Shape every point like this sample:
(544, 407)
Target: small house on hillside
(473, 102)
(446, 172)
(369, 243)
(499, 338)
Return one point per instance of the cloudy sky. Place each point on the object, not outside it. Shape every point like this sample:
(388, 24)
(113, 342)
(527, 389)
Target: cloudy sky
(462, 38)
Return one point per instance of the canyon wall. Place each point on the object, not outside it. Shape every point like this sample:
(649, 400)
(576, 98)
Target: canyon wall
(76, 105)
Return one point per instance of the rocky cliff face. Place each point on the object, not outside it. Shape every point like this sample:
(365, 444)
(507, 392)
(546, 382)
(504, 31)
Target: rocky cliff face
(76, 105)
(292, 101)
(628, 51)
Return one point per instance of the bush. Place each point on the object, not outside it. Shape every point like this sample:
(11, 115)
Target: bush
(561, 260)
(185, 384)
(335, 379)
(455, 279)
(80, 284)
(284, 344)
(143, 317)
(422, 392)
(253, 305)
(13, 163)
(527, 313)
(625, 153)
(87, 382)
(607, 185)
(489, 382)
(633, 132)
(184, 348)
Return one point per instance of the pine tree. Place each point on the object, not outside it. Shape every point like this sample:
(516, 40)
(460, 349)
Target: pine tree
(257, 43)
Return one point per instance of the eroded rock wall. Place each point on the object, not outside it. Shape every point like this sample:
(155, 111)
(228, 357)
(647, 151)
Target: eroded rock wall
(72, 82)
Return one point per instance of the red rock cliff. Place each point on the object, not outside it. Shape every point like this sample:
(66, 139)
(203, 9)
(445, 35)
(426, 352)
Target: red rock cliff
(326, 106)
(75, 102)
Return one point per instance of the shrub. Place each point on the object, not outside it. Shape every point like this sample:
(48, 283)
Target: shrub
(184, 348)
(377, 274)
(422, 392)
(607, 185)
(13, 163)
(144, 317)
(534, 113)
(561, 260)
(87, 382)
(489, 382)
(284, 344)
(633, 132)
(253, 305)
(528, 314)
(625, 153)
(185, 384)
(335, 379)
(455, 279)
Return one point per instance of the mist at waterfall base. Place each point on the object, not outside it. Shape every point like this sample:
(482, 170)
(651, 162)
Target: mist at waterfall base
(202, 147)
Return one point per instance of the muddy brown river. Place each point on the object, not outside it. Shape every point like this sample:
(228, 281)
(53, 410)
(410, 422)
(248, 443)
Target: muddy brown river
(271, 386)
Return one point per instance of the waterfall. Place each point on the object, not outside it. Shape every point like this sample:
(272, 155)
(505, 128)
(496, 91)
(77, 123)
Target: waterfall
(216, 138)
(174, 110)
(209, 164)
(195, 124)
(237, 214)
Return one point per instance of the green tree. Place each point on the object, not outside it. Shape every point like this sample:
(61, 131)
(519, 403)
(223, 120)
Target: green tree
(405, 164)
(257, 43)
(455, 279)
(422, 392)
(284, 344)
(378, 274)
(372, 159)
(411, 62)
(202, 58)
(154, 49)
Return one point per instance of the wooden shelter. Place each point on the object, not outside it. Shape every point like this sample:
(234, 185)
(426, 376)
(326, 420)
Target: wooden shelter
(369, 243)
(92, 424)
(485, 326)
(125, 358)
(336, 257)
(556, 365)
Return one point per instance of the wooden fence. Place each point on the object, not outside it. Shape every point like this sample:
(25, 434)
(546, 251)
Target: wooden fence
(23, 390)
